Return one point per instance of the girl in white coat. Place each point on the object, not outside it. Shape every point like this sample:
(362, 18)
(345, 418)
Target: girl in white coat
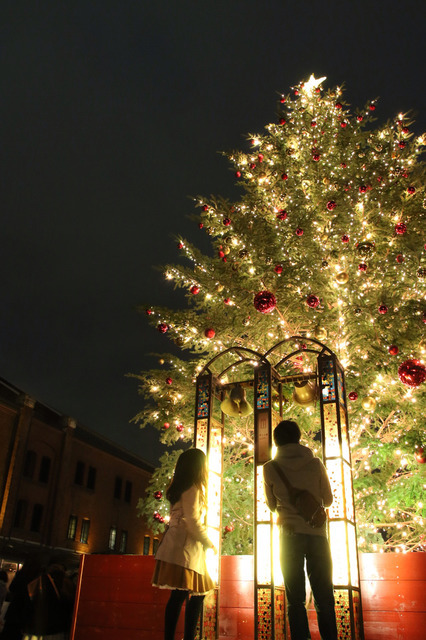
(180, 558)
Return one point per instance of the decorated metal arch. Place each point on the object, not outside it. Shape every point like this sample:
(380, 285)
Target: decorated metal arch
(300, 361)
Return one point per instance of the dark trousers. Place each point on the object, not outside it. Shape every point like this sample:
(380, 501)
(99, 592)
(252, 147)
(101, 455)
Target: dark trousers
(295, 548)
(193, 608)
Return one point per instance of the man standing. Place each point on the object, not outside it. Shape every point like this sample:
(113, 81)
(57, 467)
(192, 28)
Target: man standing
(298, 540)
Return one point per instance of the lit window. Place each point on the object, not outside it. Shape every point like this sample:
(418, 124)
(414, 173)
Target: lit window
(72, 527)
(84, 533)
(112, 538)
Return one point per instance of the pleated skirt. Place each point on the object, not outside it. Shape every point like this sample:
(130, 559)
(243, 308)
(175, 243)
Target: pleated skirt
(172, 576)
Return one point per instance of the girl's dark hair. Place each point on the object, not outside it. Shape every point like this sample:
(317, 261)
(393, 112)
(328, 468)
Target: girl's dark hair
(191, 468)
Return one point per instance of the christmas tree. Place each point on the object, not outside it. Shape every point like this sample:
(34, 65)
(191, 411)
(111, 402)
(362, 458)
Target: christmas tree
(327, 241)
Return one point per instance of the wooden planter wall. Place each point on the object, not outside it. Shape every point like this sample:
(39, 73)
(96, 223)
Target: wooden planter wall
(115, 598)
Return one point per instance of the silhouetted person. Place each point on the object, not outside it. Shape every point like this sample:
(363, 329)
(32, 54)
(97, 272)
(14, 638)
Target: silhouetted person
(298, 540)
(19, 599)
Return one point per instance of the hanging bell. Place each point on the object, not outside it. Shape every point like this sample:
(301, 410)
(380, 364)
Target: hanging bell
(236, 405)
(305, 393)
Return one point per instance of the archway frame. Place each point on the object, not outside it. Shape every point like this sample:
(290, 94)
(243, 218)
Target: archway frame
(267, 373)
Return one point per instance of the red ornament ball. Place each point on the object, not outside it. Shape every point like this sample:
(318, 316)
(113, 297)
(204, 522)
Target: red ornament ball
(264, 301)
(312, 301)
(149, 312)
(343, 165)
(331, 204)
(282, 121)
(400, 258)
(316, 157)
(284, 176)
(194, 289)
(313, 123)
(158, 495)
(180, 245)
(393, 350)
(227, 222)
(162, 327)
(360, 118)
(227, 301)
(180, 428)
(299, 231)
(401, 144)
(209, 333)
(166, 425)
(278, 269)
(372, 107)
(362, 267)
(420, 455)
(220, 253)
(353, 396)
(411, 190)
(282, 99)
(169, 381)
(383, 309)
(205, 207)
(400, 228)
(363, 188)
(338, 105)
(260, 157)
(229, 528)
(200, 225)
(282, 215)
(412, 373)
(343, 124)
(345, 239)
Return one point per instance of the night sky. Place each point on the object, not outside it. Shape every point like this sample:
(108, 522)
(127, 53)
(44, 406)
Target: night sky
(112, 115)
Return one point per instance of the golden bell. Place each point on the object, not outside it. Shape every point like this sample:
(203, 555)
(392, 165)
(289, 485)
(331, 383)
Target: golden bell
(305, 393)
(230, 408)
(236, 405)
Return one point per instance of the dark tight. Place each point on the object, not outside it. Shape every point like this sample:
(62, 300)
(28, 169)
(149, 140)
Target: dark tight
(192, 614)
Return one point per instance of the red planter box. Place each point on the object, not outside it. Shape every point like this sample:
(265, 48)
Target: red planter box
(115, 598)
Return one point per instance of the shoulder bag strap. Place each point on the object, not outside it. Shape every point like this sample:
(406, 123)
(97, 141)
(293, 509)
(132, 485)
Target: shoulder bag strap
(283, 476)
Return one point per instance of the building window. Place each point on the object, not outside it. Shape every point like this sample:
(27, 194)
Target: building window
(117, 487)
(29, 464)
(20, 514)
(146, 545)
(44, 472)
(36, 518)
(91, 478)
(79, 473)
(155, 545)
(112, 538)
(128, 492)
(72, 527)
(84, 533)
(123, 542)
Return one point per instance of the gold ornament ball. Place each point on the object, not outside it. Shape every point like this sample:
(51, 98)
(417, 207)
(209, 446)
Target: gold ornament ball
(342, 277)
(320, 333)
(161, 361)
(219, 287)
(369, 403)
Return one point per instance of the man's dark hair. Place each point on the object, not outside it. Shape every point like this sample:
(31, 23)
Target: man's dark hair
(286, 432)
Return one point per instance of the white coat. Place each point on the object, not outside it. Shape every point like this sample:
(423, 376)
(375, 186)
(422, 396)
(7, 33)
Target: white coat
(185, 541)
(304, 472)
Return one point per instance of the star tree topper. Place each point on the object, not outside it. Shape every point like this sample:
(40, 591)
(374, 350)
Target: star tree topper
(312, 84)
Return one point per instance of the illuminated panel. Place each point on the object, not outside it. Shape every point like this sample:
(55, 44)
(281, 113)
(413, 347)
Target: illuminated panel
(214, 496)
(353, 555)
(332, 448)
(264, 554)
(348, 492)
(262, 390)
(277, 573)
(201, 439)
(328, 387)
(344, 435)
(279, 614)
(209, 617)
(215, 449)
(343, 616)
(264, 614)
(262, 437)
(337, 537)
(334, 470)
(357, 614)
(340, 387)
(203, 398)
(262, 512)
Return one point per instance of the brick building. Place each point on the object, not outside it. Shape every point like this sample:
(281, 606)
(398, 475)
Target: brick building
(64, 489)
